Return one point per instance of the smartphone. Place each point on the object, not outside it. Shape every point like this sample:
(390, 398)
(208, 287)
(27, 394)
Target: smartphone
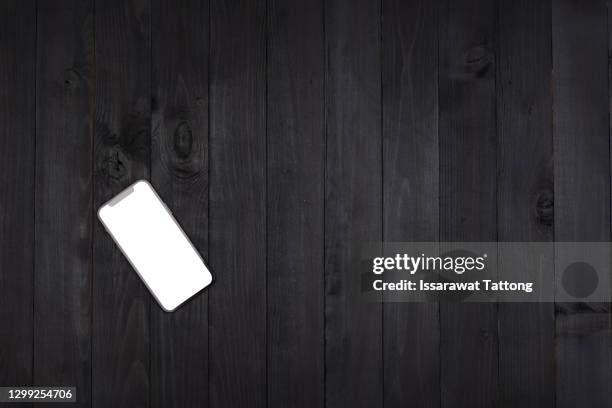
(155, 245)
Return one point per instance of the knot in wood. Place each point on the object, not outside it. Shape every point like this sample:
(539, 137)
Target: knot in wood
(71, 78)
(477, 60)
(545, 207)
(114, 164)
(183, 140)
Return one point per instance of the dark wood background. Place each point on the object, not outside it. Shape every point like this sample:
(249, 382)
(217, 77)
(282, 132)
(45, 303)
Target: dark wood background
(283, 134)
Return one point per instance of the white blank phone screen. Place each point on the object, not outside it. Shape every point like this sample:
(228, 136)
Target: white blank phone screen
(155, 245)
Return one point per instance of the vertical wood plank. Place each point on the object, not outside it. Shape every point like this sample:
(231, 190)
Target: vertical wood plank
(295, 209)
(411, 172)
(121, 301)
(179, 172)
(468, 209)
(17, 154)
(62, 302)
(582, 191)
(353, 207)
(525, 193)
(237, 303)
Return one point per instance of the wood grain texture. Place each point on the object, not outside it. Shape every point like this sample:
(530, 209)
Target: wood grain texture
(295, 206)
(121, 301)
(525, 194)
(284, 135)
(179, 172)
(17, 159)
(353, 207)
(582, 191)
(468, 208)
(411, 175)
(237, 303)
(62, 295)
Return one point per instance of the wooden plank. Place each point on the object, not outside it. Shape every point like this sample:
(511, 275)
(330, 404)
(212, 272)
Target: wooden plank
(121, 302)
(468, 210)
(17, 152)
(525, 193)
(411, 172)
(179, 172)
(237, 246)
(295, 207)
(353, 208)
(62, 302)
(582, 191)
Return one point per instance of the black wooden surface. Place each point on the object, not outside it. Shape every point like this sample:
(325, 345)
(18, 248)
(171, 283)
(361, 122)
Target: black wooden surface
(179, 172)
(63, 274)
(582, 167)
(525, 193)
(468, 187)
(121, 154)
(353, 213)
(283, 135)
(238, 323)
(17, 185)
(410, 191)
(295, 190)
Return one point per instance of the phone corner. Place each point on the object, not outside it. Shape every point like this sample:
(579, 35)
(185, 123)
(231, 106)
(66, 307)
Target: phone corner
(208, 281)
(99, 212)
(168, 309)
(143, 182)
